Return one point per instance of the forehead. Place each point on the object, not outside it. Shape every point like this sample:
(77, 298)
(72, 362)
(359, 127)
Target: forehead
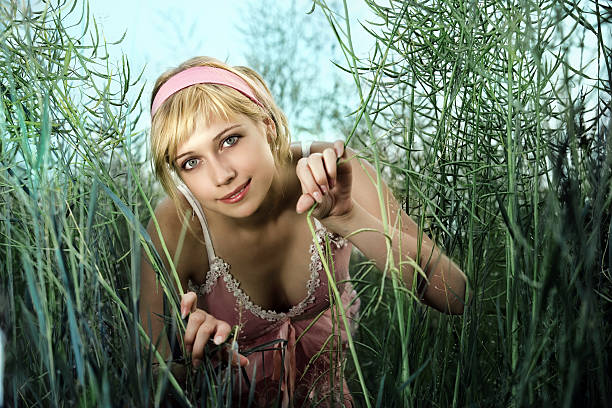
(207, 127)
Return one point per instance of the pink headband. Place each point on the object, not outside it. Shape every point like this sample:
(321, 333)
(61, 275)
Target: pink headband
(201, 75)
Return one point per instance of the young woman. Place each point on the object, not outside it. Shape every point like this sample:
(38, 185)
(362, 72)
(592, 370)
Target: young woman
(221, 149)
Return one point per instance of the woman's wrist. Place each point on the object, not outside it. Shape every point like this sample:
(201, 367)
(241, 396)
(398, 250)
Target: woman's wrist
(345, 223)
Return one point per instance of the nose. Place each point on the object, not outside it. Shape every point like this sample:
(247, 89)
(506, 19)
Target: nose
(221, 172)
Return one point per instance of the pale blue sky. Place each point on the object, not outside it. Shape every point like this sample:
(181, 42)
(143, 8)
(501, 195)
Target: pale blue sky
(160, 35)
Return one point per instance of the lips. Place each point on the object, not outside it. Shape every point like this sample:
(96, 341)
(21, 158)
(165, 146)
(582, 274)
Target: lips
(238, 194)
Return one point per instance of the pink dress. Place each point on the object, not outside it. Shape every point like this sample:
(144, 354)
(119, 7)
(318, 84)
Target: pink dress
(304, 366)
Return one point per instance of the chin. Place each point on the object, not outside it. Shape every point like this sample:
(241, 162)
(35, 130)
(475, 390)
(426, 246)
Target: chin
(244, 211)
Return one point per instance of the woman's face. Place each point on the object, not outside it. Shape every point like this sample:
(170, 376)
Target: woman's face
(228, 165)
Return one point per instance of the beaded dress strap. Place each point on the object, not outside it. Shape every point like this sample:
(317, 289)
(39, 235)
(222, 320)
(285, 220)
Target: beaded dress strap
(197, 209)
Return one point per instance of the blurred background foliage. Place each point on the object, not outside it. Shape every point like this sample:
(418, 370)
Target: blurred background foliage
(490, 119)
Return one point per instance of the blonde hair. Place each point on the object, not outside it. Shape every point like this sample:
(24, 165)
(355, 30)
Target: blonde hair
(177, 117)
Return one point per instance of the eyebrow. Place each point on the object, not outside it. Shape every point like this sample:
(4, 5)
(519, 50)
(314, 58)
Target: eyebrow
(214, 140)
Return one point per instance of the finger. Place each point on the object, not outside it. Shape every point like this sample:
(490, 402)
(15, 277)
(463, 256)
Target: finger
(237, 359)
(203, 334)
(196, 319)
(317, 168)
(339, 148)
(189, 303)
(329, 158)
(304, 203)
(309, 185)
(222, 331)
(243, 360)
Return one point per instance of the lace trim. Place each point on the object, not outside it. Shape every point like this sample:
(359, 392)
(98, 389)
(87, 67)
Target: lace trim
(220, 268)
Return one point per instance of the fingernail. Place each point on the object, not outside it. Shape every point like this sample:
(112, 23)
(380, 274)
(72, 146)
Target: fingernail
(317, 196)
(218, 340)
(184, 313)
(196, 363)
(324, 189)
(188, 349)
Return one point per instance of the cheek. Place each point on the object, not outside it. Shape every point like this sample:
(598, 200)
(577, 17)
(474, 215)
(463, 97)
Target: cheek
(198, 184)
(261, 158)
(268, 161)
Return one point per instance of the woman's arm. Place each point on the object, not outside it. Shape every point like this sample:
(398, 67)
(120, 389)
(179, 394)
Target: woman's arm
(445, 289)
(200, 325)
(352, 203)
(151, 306)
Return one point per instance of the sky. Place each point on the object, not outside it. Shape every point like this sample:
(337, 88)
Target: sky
(159, 36)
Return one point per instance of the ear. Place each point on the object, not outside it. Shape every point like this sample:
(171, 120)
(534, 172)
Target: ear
(270, 128)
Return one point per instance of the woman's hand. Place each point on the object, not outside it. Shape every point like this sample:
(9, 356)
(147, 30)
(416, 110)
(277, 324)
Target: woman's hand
(201, 327)
(326, 181)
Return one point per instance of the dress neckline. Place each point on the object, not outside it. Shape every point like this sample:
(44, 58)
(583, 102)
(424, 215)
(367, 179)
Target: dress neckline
(218, 268)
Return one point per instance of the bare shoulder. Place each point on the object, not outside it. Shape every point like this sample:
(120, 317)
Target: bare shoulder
(178, 231)
(366, 189)
(168, 220)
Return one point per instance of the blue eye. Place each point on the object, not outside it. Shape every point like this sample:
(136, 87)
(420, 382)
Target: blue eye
(190, 164)
(230, 141)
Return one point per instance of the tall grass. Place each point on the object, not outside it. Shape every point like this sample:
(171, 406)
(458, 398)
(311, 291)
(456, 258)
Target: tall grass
(69, 257)
(478, 115)
(495, 131)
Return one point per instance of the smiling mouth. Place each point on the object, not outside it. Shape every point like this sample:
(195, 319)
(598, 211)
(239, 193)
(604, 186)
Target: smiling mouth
(237, 194)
